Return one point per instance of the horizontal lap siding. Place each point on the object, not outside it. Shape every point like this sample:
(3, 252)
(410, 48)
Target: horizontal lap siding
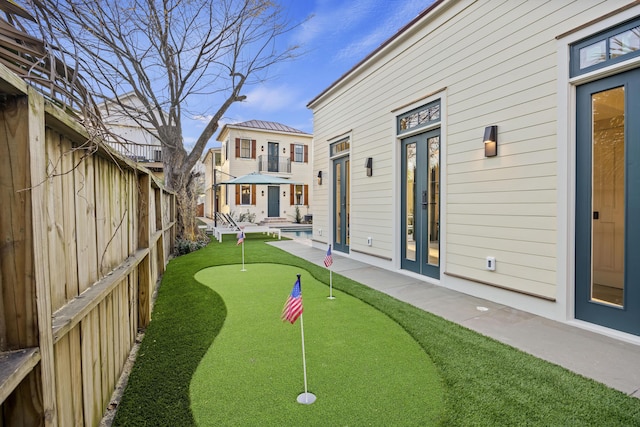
(498, 63)
(513, 85)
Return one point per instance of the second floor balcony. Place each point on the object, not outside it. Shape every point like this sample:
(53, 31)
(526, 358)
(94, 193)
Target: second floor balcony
(279, 164)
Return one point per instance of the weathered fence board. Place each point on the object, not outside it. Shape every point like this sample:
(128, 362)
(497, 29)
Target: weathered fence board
(85, 236)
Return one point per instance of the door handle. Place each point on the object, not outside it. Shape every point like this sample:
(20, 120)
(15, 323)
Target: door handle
(596, 215)
(425, 199)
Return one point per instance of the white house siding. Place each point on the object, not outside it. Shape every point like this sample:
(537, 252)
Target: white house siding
(496, 64)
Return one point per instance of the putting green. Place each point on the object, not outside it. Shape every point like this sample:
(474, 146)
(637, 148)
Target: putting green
(363, 368)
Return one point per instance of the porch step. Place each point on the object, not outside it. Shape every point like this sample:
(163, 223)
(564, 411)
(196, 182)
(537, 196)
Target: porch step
(274, 221)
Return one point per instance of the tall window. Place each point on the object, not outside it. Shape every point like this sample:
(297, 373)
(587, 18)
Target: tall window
(245, 195)
(298, 194)
(245, 148)
(299, 153)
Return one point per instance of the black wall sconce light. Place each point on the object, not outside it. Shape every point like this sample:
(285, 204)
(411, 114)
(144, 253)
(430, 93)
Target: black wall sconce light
(491, 141)
(319, 177)
(262, 193)
(368, 164)
(284, 150)
(284, 194)
(262, 148)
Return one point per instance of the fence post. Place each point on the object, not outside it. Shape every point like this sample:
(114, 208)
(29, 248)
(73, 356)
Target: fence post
(145, 282)
(37, 158)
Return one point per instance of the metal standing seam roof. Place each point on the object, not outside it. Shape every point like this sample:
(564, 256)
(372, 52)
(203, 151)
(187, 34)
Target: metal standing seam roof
(270, 126)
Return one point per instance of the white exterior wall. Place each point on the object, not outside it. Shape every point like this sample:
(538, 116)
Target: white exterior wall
(208, 165)
(300, 172)
(491, 63)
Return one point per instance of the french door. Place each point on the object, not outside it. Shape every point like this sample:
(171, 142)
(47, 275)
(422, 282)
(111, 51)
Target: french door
(607, 270)
(420, 227)
(272, 157)
(341, 204)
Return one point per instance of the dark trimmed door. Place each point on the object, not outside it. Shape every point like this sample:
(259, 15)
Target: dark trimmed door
(341, 204)
(607, 270)
(420, 227)
(273, 201)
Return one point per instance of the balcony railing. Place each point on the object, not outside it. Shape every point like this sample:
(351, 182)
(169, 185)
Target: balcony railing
(140, 152)
(279, 164)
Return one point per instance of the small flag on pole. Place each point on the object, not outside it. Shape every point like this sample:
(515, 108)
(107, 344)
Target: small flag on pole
(328, 260)
(293, 307)
(240, 238)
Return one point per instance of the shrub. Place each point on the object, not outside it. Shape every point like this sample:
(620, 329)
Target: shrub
(185, 246)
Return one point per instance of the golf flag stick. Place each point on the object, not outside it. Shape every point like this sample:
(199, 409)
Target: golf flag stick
(241, 242)
(243, 269)
(328, 261)
(331, 284)
(307, 397)
(291, 312)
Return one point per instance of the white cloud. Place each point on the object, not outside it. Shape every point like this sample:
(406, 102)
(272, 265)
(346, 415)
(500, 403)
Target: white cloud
(202, 119)
(269, 99)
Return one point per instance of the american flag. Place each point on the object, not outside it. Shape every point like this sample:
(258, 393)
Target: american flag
(293, 307)
(240, 238)
(328, 260)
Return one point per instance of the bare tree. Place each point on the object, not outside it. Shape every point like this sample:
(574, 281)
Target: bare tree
(169, 53)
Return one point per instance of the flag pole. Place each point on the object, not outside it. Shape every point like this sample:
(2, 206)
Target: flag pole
(304, 359)
(243, 269)
(328, 262)
(305, 398)
(331, 285)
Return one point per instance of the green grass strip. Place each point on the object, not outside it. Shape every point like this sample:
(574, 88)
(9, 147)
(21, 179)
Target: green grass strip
(486, 383)
(363, 368)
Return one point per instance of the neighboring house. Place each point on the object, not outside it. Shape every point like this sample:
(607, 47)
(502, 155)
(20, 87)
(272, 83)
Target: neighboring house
(141, 145)
(551, 224)
(271, 149)
(211, 162)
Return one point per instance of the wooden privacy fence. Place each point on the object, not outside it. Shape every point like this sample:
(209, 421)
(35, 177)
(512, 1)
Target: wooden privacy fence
(85, 236)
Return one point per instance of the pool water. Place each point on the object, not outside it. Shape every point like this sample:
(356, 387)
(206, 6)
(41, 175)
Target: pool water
(298, 234)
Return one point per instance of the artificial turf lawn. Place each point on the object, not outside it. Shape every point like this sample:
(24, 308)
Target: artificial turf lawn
(363, 368)
(485, 382)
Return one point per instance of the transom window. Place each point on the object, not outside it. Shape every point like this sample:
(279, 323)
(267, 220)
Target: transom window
(340, 147)
(420, 117)
(606, 48)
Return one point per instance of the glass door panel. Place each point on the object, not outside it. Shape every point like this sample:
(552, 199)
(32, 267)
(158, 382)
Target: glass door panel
(410, 202)
(272, 157)
(341, 204)
(433, 184)
(338, 205)
(607, 225)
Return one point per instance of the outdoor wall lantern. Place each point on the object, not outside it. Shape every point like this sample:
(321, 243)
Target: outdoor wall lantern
(319, 177)
(262, 148)
(284, 150)
(284, 194)
(262, 193)
(368, 164)
(491, 141)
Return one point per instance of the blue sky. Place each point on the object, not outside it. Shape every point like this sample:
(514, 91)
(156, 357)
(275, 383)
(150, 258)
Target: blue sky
(339, 34)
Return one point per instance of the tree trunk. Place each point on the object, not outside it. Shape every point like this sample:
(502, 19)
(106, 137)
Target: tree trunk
(177, 179)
